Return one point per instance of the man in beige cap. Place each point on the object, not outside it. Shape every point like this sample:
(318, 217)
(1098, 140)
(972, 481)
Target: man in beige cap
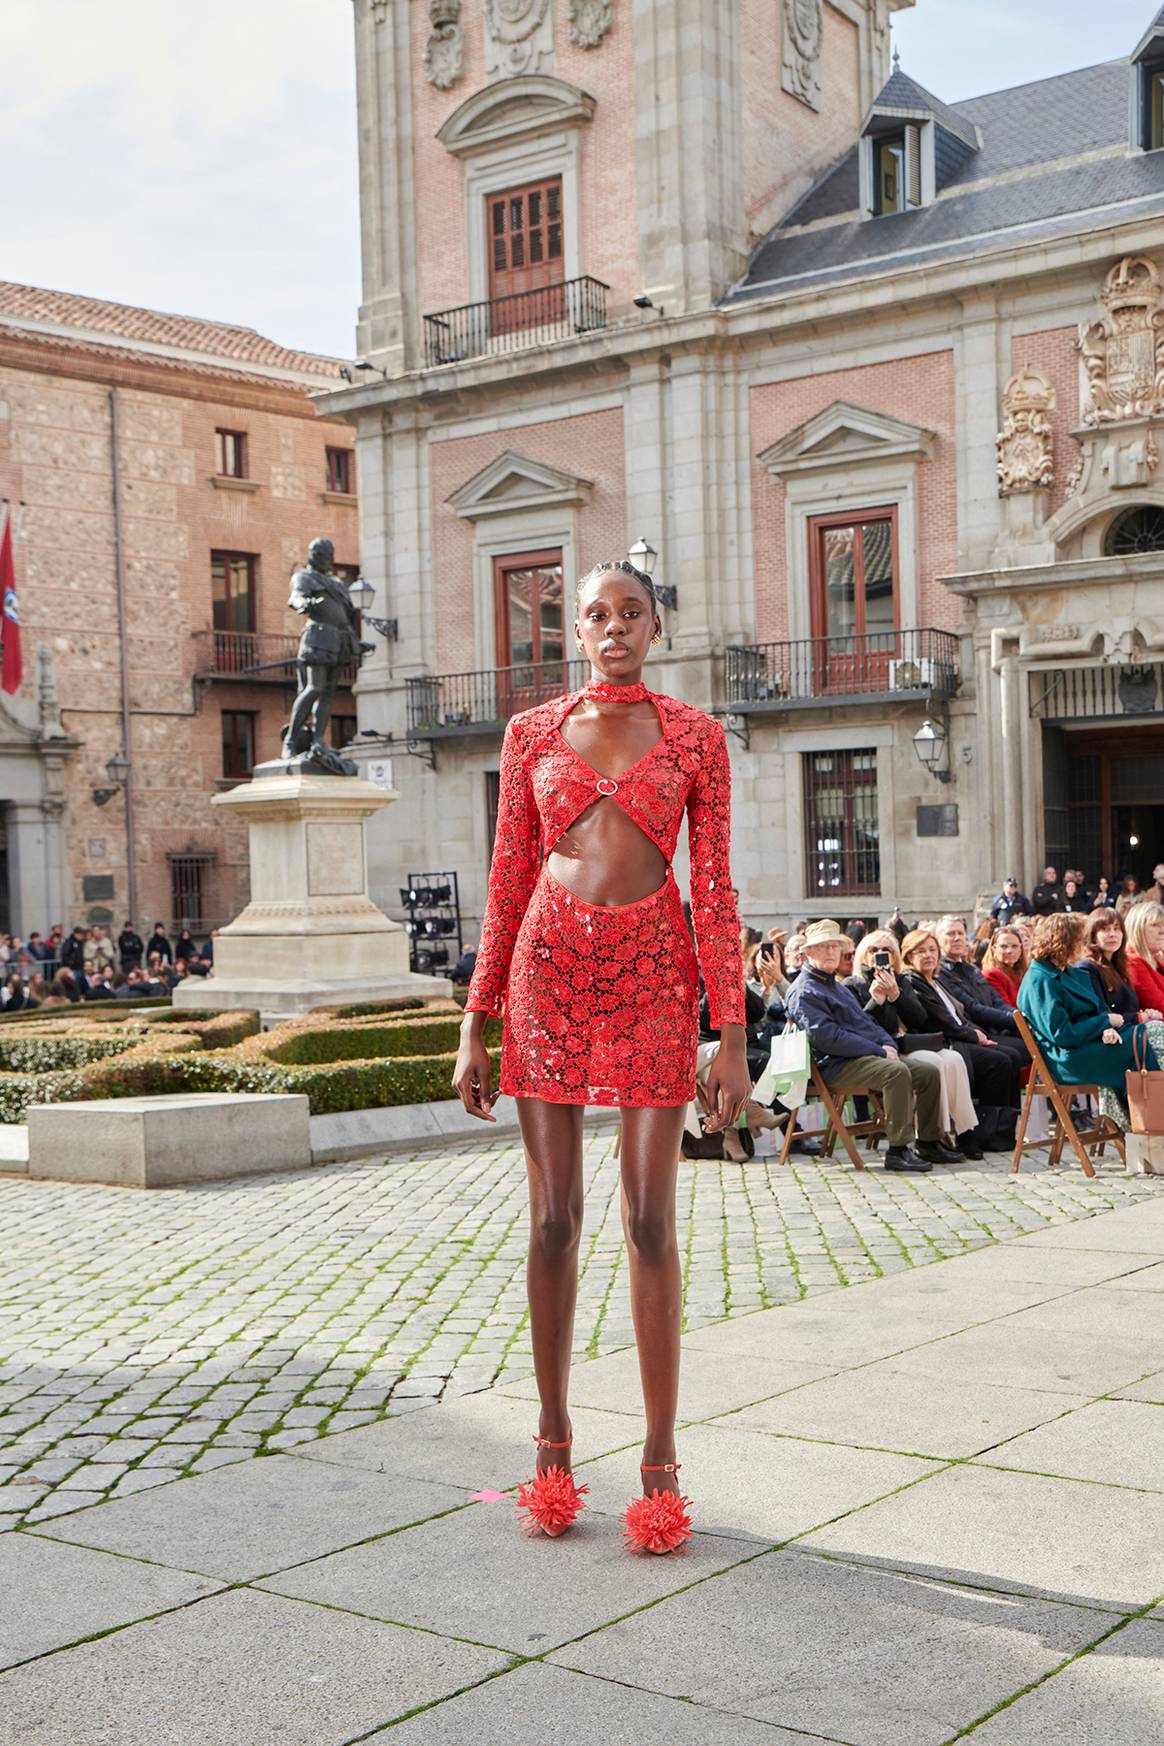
(852, 1053)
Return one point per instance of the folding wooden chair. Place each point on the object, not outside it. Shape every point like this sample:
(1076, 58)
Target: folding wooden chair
(836, 1126)
(1084, 1140)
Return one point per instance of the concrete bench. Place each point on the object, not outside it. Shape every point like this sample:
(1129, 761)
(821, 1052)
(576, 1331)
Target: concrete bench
(155, 1142)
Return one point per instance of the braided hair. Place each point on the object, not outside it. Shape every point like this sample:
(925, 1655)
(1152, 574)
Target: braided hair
(626, 568)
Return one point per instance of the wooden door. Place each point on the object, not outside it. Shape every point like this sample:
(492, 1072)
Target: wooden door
(530, 627)
(526, 266)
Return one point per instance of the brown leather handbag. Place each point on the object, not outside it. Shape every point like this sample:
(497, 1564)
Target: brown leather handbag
(1145, 1089)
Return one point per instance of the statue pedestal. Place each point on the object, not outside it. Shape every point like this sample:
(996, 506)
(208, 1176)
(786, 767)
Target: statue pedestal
(311, 935)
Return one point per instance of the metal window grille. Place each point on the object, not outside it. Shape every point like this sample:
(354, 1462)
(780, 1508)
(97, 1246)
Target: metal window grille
(842, 841)
(188, 882)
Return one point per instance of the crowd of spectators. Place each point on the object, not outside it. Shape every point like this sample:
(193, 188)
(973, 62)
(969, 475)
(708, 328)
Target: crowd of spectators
(1073, 895)
(60, 968)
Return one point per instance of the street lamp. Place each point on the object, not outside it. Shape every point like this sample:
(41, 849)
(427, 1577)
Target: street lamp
(643, 556)
(117, 770)
(932, 743)
(361, 593)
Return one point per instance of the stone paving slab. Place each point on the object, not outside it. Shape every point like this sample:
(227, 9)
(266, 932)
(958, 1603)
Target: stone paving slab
(1092, 1545)
(475, 1575)
(1113, 1696)
(1041, 1357)
(1095, 1310)
(259, 1517)
(544, 1705)
(55, 1594)
(1115, 1442)
(720, 1381)
(482, 1441)
(240, 1669)
(885, 1408)
(1142, 1279)
(750, 1486)
(869, 1657)
(143, 1338)
(1119, 1233)
(1148, 1388)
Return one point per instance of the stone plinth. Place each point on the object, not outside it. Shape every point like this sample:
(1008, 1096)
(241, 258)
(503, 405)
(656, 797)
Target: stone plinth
(311, 935)
(154, 1142)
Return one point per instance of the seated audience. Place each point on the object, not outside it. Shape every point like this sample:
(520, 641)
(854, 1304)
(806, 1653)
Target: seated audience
(1145, 925)
(1103, 897)
(1105, 957)
(1005, 964)
(1010, 902)
(37, 992)
(1129, 894)
(793, 947)
(886, 996)
(984, 1006)
(134, 986)
(1075, 901)
(995, 1073)
(852, 1052)
(1083, 1041)
(984, 932)
(1155, 891)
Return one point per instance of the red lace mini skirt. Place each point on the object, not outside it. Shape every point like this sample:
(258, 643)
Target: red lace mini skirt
(602, 1003)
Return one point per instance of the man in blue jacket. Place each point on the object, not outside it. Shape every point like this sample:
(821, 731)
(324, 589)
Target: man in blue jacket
(853, 1053)
(1009, 903)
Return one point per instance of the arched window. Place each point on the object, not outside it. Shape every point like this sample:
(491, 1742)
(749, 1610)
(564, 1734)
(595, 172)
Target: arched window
(1140, 529)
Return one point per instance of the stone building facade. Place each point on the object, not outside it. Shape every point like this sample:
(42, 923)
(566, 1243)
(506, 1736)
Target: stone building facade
(164, 477)
(879, 377)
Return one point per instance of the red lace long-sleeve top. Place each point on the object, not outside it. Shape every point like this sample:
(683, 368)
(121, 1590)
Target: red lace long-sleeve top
(545, 784)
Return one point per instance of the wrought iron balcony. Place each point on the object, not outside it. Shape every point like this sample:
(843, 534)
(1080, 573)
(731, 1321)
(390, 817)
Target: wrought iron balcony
(252, 658)
(509, 324)
(449, 704)
(888, 665)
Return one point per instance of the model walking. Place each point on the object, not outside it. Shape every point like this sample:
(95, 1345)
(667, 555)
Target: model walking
(585, 946)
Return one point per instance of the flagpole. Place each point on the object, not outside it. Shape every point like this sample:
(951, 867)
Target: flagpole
(119, 552)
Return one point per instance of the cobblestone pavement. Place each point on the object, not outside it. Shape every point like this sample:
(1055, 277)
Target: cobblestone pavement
(148, 1335)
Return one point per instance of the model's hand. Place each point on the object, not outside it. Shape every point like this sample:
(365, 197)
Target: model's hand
(473, 1073)
(729, 1084)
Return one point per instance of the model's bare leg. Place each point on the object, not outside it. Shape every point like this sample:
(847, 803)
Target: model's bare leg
(650, 1165)
(552, 1135)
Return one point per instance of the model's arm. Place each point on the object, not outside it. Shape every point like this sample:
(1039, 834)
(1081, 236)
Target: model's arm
(512, 875)
(717, 929)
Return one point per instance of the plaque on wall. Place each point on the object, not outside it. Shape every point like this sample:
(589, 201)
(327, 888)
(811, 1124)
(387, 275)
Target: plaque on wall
(938, 821)
(95, 886)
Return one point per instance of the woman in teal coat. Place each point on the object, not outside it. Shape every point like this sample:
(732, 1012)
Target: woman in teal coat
(1072, 1025)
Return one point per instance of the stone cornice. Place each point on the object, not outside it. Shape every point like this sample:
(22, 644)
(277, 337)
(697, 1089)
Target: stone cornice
(1070, 573)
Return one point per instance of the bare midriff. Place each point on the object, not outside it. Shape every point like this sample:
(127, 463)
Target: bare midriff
(604, 858)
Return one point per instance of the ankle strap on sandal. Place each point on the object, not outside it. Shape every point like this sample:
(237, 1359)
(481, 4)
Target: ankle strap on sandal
(667, 1467)
(544, 1442)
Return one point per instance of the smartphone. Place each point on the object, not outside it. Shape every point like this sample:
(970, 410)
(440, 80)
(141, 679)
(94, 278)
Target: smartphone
(882, 960)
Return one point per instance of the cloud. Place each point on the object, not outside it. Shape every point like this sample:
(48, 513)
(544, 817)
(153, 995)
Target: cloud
(962, 52)
(201, 160)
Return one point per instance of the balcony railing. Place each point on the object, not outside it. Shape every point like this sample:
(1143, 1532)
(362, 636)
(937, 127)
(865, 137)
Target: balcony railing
(473, 703)
(908, 664)
(253, 658)
(508, 324)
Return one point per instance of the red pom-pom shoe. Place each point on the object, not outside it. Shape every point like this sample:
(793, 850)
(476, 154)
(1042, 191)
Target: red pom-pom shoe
(658, 1523)
(551, 1500)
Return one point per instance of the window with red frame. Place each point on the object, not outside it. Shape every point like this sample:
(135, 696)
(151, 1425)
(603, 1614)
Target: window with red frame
(238, 742)
(341, 470)
(842, 836)
(231, 453)
(853, 575)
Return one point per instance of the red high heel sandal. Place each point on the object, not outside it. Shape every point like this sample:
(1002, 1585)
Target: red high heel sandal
(658, 1523)
(552, 1500)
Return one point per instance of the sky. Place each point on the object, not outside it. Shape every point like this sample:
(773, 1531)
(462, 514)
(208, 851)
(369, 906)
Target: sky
(201, 158)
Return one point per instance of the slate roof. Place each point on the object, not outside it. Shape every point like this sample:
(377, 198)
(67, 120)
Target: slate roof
(1025, 180)
(902, 92)
(42, 313)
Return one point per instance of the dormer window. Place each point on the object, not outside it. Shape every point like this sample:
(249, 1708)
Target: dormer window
(897, 167)
(1147, 67)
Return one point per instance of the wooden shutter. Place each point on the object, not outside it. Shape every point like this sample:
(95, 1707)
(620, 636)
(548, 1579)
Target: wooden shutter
(525, 238)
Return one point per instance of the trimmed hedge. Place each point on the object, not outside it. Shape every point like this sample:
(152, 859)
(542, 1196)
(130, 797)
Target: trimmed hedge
(109, 1011)
(306, 1043)
(41, 1052)
(371, 1008)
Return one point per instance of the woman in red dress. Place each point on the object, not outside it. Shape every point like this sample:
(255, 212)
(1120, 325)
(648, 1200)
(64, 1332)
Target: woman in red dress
(585, 947)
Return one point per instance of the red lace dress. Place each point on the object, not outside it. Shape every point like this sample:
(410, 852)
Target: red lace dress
(601, 1001)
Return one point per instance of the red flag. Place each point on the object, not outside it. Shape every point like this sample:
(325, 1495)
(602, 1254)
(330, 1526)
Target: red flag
(13, 668)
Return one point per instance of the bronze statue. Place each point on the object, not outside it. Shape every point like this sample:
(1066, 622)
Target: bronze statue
(329, 642)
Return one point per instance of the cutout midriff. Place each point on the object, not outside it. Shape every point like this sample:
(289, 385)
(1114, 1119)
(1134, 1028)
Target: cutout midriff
(604, 857)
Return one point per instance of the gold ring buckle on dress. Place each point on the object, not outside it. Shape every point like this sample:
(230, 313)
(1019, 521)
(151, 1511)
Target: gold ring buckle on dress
(606, 785)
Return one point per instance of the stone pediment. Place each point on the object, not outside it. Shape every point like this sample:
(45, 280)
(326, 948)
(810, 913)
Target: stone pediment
(847, 436)
(513, 109)
(512, 481)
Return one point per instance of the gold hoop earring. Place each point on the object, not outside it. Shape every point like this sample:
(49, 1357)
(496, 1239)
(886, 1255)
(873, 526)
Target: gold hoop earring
(656, 639)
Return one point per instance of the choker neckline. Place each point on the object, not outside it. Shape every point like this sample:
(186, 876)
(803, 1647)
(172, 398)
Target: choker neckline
(604, 691)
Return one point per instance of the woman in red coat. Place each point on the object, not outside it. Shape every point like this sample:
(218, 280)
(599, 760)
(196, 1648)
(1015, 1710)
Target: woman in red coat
(1005, 963)
(1145, 928)
(585, 946)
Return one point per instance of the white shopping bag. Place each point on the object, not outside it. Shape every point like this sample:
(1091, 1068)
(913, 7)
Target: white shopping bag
(786, 1075)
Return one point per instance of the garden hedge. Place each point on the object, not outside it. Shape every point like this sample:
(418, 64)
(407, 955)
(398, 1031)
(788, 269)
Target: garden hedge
(367, 1060)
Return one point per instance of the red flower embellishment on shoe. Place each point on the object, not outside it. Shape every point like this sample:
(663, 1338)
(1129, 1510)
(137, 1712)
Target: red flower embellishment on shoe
(550, 1502)
(659, 1523)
